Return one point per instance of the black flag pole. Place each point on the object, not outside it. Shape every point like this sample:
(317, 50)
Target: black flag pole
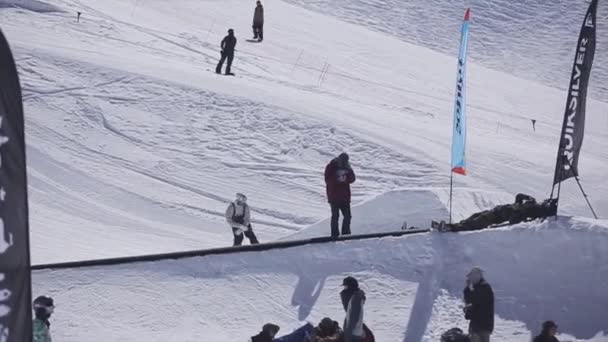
(583, 191)
(573, 126)
(15, 276)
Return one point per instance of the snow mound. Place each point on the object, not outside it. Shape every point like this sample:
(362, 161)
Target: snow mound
(416, 207)
(413, 285)
(30, 5)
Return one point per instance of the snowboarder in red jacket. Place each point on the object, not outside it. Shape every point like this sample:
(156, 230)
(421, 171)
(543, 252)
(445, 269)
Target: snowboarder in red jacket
(338, 177)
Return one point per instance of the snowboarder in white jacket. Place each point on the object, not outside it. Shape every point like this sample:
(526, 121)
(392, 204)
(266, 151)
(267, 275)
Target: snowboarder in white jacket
(238, 217)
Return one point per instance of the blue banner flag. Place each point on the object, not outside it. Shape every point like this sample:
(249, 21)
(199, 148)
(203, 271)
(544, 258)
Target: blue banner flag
(459, 136)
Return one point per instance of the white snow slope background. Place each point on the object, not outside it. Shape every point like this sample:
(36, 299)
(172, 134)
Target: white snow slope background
(135, 146)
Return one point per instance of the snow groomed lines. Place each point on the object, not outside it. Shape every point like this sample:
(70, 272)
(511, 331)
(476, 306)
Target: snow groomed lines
(223, 250)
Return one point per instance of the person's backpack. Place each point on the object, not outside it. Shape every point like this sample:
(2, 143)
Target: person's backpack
(454, 335)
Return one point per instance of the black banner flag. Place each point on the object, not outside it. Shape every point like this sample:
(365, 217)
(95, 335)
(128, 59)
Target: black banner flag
(573, 128)
(15, 277)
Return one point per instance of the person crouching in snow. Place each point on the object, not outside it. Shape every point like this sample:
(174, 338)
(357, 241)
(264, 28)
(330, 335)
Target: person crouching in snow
(239, 219)
(328, 330)
(269, 331)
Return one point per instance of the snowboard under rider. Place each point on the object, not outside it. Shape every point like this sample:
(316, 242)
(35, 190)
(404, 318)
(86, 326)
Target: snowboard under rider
(238, 217)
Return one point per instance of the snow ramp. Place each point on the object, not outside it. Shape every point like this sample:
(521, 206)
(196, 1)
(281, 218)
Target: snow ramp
(552, 270)
(416, 206)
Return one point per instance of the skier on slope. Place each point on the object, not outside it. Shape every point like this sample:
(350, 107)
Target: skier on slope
(353, 300)
(479, 306)
(258, 22)
(43, 308)
(339, 175)
(269, 331)
(238, 217)
(548, 333)
(228, 44)
(525, 208)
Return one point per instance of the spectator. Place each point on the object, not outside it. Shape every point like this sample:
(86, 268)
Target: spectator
(479, 306)
(269, 331)
(548, 333)
(228, 44)
(43, 308)
(238, 217)
(339, 176)
(258, 22)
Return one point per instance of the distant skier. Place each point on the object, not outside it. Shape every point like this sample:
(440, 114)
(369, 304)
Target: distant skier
(228, 44)
(269, 331)
(353, 300)
(258, 22)
(525, 208)
(238, 217)
(479, 306)
(43, 308)
(339, 175)
(548, 333)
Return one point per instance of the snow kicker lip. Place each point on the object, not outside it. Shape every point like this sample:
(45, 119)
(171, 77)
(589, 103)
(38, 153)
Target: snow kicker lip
(223, 250)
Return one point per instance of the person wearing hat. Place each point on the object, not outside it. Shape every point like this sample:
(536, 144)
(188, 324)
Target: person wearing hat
(328, 330)
(353, 300)
(43, 308)
(238, 217)
(339, 176)
(479, 306)
(228, 44)
(548, 333)
(269, 331)
(258, 22)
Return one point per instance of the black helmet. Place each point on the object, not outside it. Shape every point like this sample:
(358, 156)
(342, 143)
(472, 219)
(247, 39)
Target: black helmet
(548, 325)
(230, 31)
(43, 306)
(350, 283)
(271, 329)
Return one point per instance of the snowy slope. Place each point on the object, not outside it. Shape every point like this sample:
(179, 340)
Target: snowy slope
(135, 144)
(532, 39)
(555, 270)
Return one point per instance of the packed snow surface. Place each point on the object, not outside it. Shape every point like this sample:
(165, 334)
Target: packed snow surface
(134, 142)
(553, 270)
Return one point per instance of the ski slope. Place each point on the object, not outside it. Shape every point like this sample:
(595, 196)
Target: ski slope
(135, 147)
(555, 270)
(135, 143)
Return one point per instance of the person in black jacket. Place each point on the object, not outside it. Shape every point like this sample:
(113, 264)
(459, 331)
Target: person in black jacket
(548, 333)
(228, 45)
(269, 331)
(479, 306)
(258, 22)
